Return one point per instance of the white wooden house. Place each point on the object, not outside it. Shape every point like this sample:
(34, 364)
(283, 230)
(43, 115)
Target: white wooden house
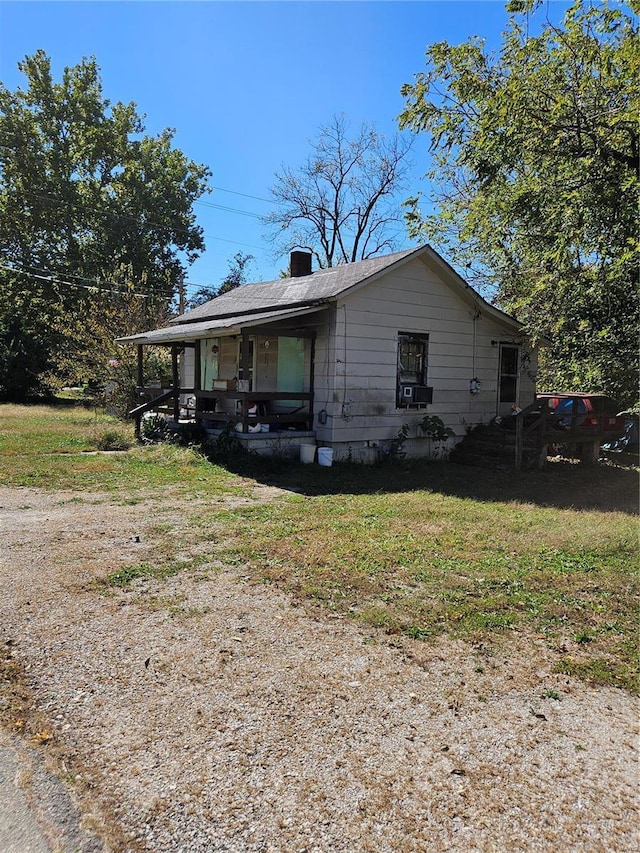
(345, 356)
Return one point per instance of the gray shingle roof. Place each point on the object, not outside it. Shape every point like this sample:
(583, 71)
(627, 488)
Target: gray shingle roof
(292, 292)
(257, 303)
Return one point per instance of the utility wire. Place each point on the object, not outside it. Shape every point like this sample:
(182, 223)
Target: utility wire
(150, 224)
(190, 287)
(236, 242)
(244, 195)
(228, 209)
(200, 201)
(52, 280)
(216, 189)
(187, 285)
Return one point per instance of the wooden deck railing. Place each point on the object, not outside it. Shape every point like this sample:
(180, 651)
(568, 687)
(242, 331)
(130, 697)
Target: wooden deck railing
(548, 428)
(537, 424)
(265, 400)
(205, 405)
(154, 405)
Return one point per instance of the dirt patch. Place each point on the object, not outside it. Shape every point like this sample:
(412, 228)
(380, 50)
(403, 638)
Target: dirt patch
(203, 712)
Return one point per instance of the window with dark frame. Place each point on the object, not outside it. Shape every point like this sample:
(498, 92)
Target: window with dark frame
(509, 364)
(412, 366)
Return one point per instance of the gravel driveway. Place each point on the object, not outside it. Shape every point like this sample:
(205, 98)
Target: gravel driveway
(208, 713)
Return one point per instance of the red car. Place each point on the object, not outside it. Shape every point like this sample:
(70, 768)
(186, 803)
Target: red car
(585, 413)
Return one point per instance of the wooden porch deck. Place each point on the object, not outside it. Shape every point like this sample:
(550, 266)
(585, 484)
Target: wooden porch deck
(186, 405)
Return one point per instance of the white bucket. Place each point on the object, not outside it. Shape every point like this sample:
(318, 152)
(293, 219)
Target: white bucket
(325, 456)
(307, 453)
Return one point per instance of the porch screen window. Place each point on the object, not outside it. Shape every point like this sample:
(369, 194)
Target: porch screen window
(291, 352)
(209, 349)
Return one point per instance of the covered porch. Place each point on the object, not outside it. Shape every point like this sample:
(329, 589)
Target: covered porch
(257, 380)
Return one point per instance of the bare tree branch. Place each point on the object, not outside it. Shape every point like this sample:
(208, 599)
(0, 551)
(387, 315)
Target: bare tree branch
(342, 202)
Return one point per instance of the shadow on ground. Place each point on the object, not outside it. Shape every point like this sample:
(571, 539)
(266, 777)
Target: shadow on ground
(609, 486)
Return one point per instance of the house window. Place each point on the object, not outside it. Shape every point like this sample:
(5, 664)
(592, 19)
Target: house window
(412, 369)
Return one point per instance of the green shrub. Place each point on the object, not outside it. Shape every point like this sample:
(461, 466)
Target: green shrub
(114, 439)
(154, 427)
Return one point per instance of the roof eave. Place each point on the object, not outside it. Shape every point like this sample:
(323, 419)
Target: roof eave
(307, 303)
(206, 328)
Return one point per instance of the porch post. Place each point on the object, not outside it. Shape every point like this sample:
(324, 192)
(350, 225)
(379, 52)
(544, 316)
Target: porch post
(519, 441)
(544, 438)
(245, 375)
(197, 375)
(176, 382)
(140, 367)
(311, 380)
(197, 368)
(591, 452)
(140, 377)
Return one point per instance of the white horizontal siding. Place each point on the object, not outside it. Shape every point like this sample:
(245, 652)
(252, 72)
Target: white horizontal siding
(362, 393)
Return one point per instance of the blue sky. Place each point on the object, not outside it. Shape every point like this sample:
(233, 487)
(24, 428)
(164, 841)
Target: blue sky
(246, 84)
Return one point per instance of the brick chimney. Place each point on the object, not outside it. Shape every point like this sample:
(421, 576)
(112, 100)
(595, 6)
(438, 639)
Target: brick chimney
(300, 264)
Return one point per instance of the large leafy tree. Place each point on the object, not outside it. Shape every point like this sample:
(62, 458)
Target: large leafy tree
(342, 203)
(88, 354)
(84, 194)
(535, 181)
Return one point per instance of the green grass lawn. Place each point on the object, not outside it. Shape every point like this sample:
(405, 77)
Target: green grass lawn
(61, 447)
(419, 550)
(423, 563)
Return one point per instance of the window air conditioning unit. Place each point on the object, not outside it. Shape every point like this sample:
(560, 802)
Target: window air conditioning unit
(415, 394)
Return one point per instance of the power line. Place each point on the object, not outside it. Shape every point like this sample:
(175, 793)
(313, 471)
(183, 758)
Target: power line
(216, 189)
(150, 224)
(237, 242)
(187, 285)
(229, 209)
(52, 280)
(97, 284)
(244, 195)
(197, 201)
(61, 203)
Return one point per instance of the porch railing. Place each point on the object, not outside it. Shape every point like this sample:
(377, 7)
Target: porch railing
(265, 401)
(154, 405)
(168, 403)
(531, 421)
(547, 428)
